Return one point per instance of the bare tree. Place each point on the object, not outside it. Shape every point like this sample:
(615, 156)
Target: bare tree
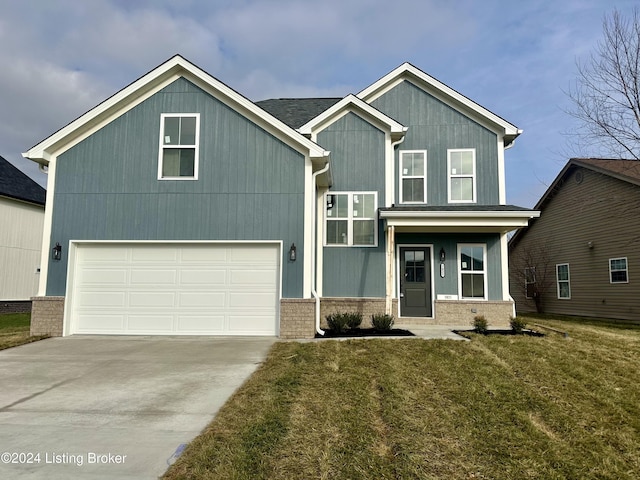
(531, 267)
(606, 96)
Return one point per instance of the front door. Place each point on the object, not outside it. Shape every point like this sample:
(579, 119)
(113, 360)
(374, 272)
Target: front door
(415, 282)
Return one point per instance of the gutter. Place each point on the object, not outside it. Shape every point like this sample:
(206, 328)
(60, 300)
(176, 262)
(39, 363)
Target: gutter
(314, 223)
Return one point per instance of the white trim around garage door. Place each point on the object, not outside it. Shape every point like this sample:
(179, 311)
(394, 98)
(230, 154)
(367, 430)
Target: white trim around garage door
(93, 291)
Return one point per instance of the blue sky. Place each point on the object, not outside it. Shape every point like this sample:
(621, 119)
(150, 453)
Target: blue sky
(62, 57)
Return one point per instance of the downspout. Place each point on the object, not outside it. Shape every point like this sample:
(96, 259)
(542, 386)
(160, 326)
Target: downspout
(313, 247)
(388, 301)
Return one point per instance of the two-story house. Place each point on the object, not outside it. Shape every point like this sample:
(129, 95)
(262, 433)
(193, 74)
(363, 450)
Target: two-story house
(178, 206)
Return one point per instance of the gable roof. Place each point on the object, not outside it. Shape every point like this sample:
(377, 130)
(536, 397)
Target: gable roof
(443, 92)
(353, 103)
(295, 112)
(624, 170)
(147, 85)
(15, 184)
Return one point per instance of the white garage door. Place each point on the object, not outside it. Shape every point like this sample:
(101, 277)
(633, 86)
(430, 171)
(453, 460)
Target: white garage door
(175, 289)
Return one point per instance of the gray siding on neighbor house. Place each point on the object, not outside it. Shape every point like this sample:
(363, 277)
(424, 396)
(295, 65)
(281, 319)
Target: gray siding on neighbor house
(449, 241)
(357, 156)
(436, 127)
(601, 210)
(250, 185)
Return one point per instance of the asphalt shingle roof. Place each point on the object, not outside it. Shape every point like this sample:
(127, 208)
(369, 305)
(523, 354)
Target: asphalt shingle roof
(15, 184)
(295, 112)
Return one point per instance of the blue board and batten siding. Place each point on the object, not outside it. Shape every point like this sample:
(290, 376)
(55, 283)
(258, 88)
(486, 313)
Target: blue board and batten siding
(436, 127)
(357, 156)
(449, 242)
(250, 185)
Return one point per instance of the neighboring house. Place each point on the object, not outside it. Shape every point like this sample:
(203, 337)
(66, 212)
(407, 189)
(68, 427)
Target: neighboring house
(21, 220)
(582, 256)
(181, 207)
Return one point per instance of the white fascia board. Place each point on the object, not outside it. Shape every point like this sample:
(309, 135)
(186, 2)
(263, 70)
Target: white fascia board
(440, 91)
(344, 106)
(460, 214)
(503, 221)
(149, 84)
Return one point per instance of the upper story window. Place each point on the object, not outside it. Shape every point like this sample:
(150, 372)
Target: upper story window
(413, 176)
(179, 134)
(461, 164)
(472, 261)
(618, 270)
(351, 219)
(563, 281)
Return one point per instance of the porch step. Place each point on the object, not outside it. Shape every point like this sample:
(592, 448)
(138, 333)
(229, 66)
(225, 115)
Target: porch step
(418, 321)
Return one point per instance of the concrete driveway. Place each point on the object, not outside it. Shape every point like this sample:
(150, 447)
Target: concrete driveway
(113, 407)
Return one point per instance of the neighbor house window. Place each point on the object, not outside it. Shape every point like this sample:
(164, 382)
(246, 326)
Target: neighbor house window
(413, 176)
(179, 135)
(472, 264)
(529, 281)
(351, 218)
(618, 272)
(563, 280)
(461, 166)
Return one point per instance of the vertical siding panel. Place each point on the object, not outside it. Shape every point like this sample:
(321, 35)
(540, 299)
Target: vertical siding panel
(437, 127)
(107, 186)
(600, 210)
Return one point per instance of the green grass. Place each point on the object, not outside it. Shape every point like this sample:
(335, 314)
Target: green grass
(494, 407)
(14, 330)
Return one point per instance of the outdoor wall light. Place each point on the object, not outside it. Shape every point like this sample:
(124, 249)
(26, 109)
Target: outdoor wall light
(56, 252)
(292, 252)
(442, 255)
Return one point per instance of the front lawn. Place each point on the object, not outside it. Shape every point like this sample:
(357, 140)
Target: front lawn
(495, 407)
(14, 330)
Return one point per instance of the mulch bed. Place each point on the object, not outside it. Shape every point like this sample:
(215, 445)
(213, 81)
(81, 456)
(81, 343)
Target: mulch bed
(366, 332)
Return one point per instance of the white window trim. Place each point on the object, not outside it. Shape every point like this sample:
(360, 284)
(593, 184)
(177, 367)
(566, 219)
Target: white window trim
(526, 282)
(466, 272)
(568, 281)
(449, 176)
(350, 219)
(626, 269)
(196, 147)
(402, 177)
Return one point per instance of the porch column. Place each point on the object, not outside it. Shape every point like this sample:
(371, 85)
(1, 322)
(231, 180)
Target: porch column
(390, 267)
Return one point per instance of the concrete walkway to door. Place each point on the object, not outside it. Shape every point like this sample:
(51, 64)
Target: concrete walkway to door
(113, 407)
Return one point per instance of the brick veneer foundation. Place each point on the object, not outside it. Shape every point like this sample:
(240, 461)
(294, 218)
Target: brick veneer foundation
(47, 316)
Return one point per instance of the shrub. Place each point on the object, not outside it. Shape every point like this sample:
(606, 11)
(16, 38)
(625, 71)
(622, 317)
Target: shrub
(341, 322)
(518, 324)
(337, 322)
(354, 319)
(480, 324)
(382, 322)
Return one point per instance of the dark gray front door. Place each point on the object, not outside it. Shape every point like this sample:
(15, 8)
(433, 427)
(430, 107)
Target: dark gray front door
(415, 282)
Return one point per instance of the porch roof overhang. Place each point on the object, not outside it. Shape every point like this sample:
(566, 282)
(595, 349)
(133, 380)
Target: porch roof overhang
(457, 219)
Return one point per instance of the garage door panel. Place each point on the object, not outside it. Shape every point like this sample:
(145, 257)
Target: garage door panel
(258, 300)
(153, 277)
(102, 276)
(202, 299)
(252, 277)
(154, 254)
(205, 323)
(150, 323)
(152, 299)
(249, 322)
(189, 289)
(101, 323)
(101, 299)
(200, 254)
(203, 277)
